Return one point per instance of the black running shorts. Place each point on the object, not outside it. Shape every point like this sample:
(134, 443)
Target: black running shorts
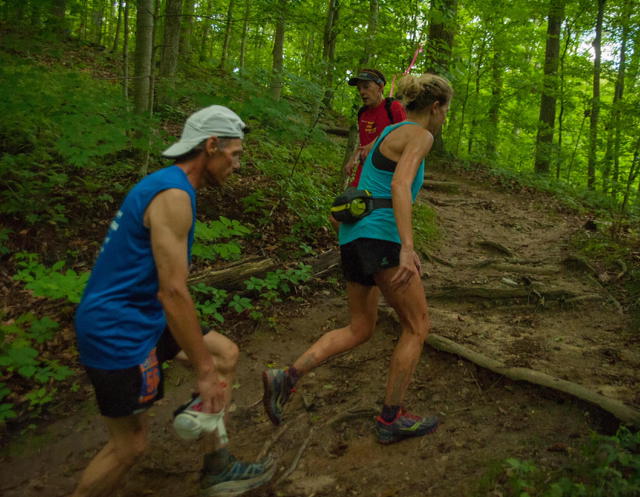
(364, 257)
(123, 392)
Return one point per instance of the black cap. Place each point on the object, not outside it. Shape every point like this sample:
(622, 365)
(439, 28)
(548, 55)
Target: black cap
(367, 76)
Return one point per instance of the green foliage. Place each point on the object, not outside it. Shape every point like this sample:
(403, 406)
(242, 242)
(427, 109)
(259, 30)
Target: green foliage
(279, 282)
(606, 466)
(19, 356)
(425, 228)
(50, 282)
(210, 307)
(216, 231)
(4, 237)
(54, 126)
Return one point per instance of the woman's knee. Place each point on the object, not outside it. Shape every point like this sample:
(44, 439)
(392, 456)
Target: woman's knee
(362, 330)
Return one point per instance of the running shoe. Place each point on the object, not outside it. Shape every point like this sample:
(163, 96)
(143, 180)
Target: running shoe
(405, 425)
(276, 393)
(190, 422)
(236, 478)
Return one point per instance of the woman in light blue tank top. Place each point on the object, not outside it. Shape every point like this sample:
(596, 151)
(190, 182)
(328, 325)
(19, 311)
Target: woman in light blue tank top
(378, 251)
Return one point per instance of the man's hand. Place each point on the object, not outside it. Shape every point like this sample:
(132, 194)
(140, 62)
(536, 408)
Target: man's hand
(212, 393)
(408, 267)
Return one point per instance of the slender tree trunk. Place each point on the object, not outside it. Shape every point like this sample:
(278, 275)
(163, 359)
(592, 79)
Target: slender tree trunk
(633, 174)
(227, 35)
(114, 47)
(170, 48)
(245, 29)
(278, 53)
(547, 118)
(465, 97)
(474, 119)
(125, 52)
(372, 31)
(612, 153)
(496, 97)
(143, 56)
(595, 101)
(186, 31)
(560, 158)
(329, 49)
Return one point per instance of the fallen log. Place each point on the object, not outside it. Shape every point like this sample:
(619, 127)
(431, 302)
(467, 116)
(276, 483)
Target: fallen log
(619, 409)
(233, 276)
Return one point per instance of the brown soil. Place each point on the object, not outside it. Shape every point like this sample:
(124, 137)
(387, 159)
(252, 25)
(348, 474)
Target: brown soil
(485, 417)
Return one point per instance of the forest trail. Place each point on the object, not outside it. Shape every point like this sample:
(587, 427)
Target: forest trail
(515, 308)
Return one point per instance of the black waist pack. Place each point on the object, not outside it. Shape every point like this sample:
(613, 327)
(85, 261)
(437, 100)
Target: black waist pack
(353, 204)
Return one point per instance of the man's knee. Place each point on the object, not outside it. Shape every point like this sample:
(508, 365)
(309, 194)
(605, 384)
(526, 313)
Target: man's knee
(226, 354)
(362, 330)
(129, 451)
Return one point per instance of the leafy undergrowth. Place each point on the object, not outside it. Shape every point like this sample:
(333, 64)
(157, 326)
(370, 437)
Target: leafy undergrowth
(606, 466)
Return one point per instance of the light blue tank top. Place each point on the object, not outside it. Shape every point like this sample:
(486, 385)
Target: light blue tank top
(381, 223)
(120, 318)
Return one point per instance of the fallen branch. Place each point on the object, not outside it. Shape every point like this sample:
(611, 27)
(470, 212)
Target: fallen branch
(434, 258)
(521, 268)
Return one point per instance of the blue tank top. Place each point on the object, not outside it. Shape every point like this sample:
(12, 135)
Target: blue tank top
(381, 223)
(120, 318)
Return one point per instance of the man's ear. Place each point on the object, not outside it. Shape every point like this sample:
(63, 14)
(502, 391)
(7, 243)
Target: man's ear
(211, 146)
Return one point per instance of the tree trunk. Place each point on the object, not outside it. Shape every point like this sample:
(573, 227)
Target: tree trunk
(114, 47)
(595, 101)
(278, 53)
(245, 28)
(442, 24)
(544, 140)
(496, 98)
(372, 31)
(170, 48)
(633, 174)
(143, 56)
(227, 36)
(563, 56)
(186, 31)
(125, 52)
(612, 153)
(474, 119)
(329, 49)
(57, 18)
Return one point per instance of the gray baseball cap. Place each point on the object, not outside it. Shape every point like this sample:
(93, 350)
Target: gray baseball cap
(215, 120)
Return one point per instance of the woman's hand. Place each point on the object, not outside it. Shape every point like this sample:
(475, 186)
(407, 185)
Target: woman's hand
(409, 266)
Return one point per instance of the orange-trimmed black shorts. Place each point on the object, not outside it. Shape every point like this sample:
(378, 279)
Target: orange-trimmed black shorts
(123, 392)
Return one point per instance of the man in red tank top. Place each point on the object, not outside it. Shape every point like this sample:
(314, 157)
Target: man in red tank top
(376, 113)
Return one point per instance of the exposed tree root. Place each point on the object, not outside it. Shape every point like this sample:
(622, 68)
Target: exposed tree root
(619, 409)
(441, 186)
(455, 292)
(495, 246)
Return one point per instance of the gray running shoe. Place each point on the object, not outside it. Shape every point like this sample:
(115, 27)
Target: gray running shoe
(237, 478)
(276, 393)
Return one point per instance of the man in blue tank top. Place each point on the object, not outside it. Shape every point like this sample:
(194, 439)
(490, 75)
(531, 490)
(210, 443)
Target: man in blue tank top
(136, 313)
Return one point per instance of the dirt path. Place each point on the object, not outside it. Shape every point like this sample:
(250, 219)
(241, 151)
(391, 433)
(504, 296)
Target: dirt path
(485, 417)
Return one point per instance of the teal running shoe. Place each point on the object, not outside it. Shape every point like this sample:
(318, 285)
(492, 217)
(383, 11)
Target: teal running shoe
(237, 478)
(276, 393)
(406, 425)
